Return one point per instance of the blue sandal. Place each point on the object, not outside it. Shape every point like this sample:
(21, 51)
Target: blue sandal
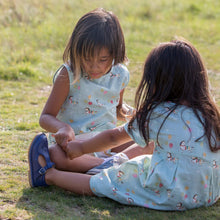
(39, 146)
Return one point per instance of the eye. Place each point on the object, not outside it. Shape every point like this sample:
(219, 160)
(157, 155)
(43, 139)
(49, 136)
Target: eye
(103, 60)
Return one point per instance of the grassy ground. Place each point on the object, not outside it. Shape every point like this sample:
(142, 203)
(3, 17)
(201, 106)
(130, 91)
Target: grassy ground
(33, 36)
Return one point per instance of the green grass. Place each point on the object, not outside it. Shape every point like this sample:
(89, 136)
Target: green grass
(32, 40)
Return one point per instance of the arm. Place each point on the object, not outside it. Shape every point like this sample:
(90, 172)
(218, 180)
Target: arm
(48, 120)
(101, 142)
(124, 111)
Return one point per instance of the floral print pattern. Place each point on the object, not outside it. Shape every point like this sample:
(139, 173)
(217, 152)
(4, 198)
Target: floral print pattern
(91, 103)
(181, 174)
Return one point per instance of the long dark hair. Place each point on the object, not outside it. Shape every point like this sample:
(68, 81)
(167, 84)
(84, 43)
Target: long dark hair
(174, 71)
(94, 30)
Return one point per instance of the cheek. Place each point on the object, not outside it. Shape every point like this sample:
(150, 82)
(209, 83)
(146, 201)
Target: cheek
(106, 69)
(108, 66)
(85, 66)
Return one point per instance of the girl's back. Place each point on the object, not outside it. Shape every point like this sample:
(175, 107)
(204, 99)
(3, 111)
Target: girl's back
(184, 172)
(176, 110)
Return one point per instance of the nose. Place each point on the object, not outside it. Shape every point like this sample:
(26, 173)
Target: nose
(94, 66)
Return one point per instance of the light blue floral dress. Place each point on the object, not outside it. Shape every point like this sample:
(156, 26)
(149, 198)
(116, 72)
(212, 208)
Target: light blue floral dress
(91, 103)
(181, 174)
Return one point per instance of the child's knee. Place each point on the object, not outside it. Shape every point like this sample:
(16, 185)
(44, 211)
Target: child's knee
(52, 152)
(57, 156)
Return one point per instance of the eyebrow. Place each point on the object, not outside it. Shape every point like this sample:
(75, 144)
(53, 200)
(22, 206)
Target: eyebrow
(105, 56)
(100, 57)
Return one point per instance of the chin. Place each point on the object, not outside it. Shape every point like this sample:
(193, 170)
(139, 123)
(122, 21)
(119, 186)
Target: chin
(95, 76)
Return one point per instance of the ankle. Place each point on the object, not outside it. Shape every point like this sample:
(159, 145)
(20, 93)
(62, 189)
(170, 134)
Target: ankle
(49, 176)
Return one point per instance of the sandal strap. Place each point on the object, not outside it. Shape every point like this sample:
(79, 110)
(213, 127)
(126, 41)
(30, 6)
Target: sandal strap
(43, 170)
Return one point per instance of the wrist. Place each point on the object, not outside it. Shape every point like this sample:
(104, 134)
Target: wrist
(66, 127)
(83, 148)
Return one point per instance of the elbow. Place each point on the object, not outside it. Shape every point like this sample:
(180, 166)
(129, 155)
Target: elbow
(113, 139)
(41, 121)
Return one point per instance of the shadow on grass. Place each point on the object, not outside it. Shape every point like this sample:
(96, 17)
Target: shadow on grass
(55, 203)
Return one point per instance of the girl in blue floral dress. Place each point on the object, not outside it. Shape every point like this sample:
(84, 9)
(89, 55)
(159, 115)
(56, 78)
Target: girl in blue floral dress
(87, 93)
(176, 111)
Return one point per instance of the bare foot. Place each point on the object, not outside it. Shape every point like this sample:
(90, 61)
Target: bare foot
(42, 161)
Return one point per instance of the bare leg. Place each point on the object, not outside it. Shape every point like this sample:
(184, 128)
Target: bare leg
(86, 162)
(79, 164)
(80, 183)
(122, 147)
(74, 182)
(135, 150)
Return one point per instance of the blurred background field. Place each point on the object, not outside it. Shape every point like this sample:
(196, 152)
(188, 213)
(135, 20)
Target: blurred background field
(33, 34)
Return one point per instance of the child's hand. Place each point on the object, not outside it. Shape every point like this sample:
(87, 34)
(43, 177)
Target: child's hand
(64, 135)
(74, 149)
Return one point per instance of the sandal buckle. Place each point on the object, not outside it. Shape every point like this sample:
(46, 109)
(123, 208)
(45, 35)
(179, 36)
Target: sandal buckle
(42, 171)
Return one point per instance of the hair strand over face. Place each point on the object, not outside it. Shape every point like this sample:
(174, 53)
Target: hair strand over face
(95, 30)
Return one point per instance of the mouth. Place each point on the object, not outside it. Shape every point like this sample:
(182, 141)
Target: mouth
(95, 74)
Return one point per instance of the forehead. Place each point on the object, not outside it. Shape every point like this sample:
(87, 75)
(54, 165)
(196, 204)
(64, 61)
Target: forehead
(102, 52)
(98, 52)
